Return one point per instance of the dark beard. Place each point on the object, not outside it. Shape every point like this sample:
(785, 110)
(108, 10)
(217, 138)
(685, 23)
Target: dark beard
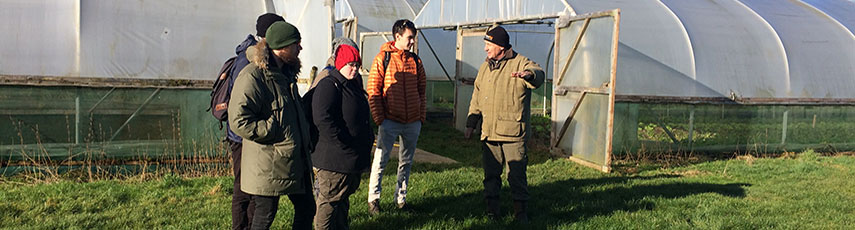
(290, 65)
(293, 64)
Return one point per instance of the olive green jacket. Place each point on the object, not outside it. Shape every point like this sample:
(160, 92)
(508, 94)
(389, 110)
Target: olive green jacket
(504, 101)
(265, 109)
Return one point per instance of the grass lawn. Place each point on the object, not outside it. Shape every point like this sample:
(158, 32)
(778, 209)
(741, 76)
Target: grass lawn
(802, 191)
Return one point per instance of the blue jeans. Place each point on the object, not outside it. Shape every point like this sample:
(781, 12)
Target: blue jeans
(388, 131)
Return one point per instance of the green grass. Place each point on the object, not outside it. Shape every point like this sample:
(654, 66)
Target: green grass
(801, 191)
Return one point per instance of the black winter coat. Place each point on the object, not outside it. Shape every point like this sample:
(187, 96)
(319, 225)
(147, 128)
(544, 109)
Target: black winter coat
(341, 113)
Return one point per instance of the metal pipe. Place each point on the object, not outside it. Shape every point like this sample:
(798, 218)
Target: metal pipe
(488, 22)
(77, 120)
(101, 100)
(548, 58)
(691, 125)
(436, 57)
(784, 128)
(134, 114)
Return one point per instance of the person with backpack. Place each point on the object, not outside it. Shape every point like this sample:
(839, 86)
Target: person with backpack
(265, 110)
(396, 93)
(341, 114)
(242, 204)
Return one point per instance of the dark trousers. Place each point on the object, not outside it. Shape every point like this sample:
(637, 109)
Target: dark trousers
(242, 205)
(497, 155)
(334, 190)
(266, 207)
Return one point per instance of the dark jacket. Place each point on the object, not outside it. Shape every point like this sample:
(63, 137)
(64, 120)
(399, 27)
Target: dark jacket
(341, 113)
(240, 62)
(266, 110)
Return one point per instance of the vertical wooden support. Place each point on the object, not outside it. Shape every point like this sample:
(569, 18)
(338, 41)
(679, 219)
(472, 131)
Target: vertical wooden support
(612, 84)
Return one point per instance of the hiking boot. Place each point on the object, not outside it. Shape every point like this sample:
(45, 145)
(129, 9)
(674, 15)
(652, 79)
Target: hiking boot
(520, 215)
(374, 207)
(493, 209)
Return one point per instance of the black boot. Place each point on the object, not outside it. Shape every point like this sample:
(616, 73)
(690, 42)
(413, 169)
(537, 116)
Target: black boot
(520, 214)
(493, 209)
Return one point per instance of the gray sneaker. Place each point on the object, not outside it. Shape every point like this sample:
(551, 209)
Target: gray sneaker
(374, 207)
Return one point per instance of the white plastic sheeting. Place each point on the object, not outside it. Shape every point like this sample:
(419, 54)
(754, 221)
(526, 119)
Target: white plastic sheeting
(377, 15)
(734, 48)
(839, 10)
(122, 38)
(820, 52)
(312, 18)
(703, 49)
(161, 39)
(39, 37)
(153, 39)
(449, 12)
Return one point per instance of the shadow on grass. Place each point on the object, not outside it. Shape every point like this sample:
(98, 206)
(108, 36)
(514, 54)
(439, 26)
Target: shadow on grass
(553, 204)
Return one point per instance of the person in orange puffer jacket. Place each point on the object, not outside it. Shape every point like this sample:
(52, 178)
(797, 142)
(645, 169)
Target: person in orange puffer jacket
(396, 94)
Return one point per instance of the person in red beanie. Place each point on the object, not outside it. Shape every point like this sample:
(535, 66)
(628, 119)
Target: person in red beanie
(341, 113)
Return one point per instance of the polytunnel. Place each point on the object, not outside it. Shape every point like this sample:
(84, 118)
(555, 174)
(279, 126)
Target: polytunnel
(127, 79)
(744, 76)
(624, 77)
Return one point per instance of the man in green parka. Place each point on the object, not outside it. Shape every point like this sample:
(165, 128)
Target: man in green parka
(501, 101)
(266, 111)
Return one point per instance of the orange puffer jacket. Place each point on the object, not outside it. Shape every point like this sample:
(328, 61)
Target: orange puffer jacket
(397, 92)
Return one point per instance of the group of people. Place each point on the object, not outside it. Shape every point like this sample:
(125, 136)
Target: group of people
(314, 148)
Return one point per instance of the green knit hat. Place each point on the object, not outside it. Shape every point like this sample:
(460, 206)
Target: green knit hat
(281, 34)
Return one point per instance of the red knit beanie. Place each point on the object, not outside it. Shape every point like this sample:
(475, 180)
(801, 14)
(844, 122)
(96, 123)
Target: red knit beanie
(346, 54)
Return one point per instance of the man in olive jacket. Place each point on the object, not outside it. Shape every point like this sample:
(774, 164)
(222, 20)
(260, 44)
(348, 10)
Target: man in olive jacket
(266, 111)
(501, 101)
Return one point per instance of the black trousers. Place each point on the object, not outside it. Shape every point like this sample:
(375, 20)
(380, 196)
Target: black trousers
(242, 204)
(266, 207)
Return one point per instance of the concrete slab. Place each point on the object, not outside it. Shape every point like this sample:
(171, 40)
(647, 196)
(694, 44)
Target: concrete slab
(423, 157)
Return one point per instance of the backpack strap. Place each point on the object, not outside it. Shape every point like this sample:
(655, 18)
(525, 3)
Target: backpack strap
(386, 61)
(385, 66)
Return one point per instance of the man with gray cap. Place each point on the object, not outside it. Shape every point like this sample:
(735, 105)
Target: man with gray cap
(266, 111)
(242, 205)
(501, 101)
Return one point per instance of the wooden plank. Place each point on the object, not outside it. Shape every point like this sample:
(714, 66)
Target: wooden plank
(95, 82)
(31, 80)
(726, 100)
(573, 51)
(568, 120)
(611, 88)
(563, 90)
(14, 112)
(602, 168)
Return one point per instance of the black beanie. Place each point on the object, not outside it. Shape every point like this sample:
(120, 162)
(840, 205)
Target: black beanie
(497, 35)
(264, 21)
